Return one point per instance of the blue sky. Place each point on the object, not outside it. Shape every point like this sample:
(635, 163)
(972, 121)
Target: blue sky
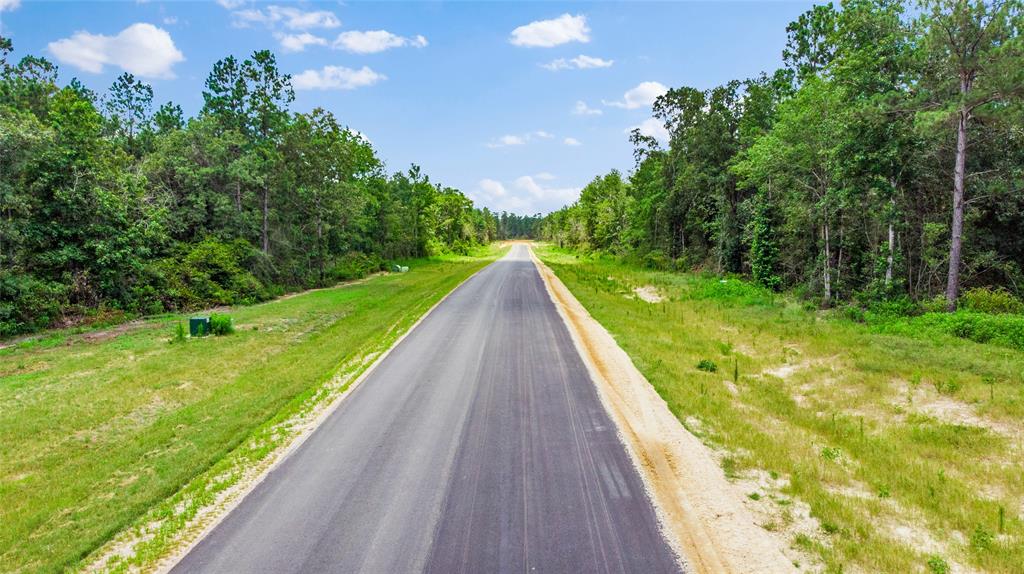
(519, 105)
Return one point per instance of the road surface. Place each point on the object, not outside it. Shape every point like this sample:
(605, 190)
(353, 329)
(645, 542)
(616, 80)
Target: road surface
(479, 445)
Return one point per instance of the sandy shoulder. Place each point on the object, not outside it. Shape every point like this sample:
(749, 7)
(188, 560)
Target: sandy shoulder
(702, 514)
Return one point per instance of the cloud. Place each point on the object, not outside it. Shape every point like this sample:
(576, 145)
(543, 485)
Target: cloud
(548, 33)
(582, 109)
(373, 41)
(580, 62)
(9, 5)
(572, 142)
(298, 42)
(141, 49)
(641, 96)
(515, 140)
(291, 17)
(230, 4)
(651, 128)
(507, 140)
(526, 194)
(492, 188)
(169, 20)
(336, 78)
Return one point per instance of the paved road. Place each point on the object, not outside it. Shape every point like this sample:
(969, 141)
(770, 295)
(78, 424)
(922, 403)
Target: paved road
(478, 446)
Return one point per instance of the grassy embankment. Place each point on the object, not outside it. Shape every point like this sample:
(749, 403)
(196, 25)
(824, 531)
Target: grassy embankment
(98, 429)
(868, 450)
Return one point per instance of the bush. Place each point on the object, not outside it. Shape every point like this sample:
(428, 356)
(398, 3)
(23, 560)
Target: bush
(656, 260)
(986, 300)
(28, 304)
(221, 324)
(355, 265)
(207, 274)
(707, 365)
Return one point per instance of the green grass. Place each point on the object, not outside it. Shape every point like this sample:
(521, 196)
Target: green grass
(97, 430)
(906, 445)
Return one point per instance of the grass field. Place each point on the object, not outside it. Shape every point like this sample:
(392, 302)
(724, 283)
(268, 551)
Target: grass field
(99, 428)
(867, 451)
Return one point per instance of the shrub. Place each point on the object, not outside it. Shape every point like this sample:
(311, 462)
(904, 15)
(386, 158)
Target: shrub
(936, 565)
(28, 304)
(656, 260)
(221, 324)
(707, 365)
(179, 333)
(355, 265)
(206, 274)
(986, 300)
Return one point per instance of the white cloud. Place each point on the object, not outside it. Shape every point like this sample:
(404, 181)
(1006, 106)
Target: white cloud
(548, 33)
(230, 4)
(572, 142)
(641, 96)
(515, 140)
(507, 140)
(373, 41)
(336, 78)
(582, 109)
(298, 42)
(9, 5)
(291, 17)
(651, 128)
(524, 195)
(169, 20)
(492, 188)
(141, 49)
(580, 62)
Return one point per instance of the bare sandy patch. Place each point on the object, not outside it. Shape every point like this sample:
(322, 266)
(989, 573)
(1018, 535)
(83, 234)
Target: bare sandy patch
(702, 514)
(648, 293)
(923, 399)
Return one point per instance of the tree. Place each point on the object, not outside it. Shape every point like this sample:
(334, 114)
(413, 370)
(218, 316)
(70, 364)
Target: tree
(974, 66)
(129, 107)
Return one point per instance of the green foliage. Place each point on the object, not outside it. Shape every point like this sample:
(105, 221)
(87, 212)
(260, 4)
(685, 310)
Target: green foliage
(830, 177)
(989, 300)
(937, 565)
(106, 204)
(221, 324)
(355, 265)
(179, 332)
(707, 365)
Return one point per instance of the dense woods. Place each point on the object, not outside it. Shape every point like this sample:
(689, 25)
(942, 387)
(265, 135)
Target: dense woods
(109, 207)
(884, 161)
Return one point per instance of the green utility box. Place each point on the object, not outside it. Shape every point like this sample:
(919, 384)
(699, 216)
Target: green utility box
(199, 326)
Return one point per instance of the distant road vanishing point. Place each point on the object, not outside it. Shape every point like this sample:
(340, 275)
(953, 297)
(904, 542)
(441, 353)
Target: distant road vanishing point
(478, 445)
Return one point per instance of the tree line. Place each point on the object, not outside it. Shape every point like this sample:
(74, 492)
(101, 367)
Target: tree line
(109, 206)
(884, 160)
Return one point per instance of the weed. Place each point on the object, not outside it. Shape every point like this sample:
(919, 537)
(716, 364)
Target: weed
(707, 365)
(221, 324)
(179, 333)
(936, 565)
(981, 538)
(754, 496)
(831, 454)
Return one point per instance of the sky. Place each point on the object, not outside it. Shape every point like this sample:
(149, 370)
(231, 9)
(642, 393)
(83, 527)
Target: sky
(517, 104)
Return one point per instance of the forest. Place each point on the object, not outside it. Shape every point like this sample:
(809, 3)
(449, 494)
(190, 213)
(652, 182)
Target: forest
(883, 163)
(110, 208)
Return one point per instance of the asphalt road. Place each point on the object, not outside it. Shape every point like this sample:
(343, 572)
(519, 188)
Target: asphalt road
(478, 446)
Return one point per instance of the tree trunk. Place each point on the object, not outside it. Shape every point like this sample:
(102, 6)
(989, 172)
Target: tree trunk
(953, 281)
(265, 232)
(892, 237)
(827, 275)
(889, 258)
(238, 196)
